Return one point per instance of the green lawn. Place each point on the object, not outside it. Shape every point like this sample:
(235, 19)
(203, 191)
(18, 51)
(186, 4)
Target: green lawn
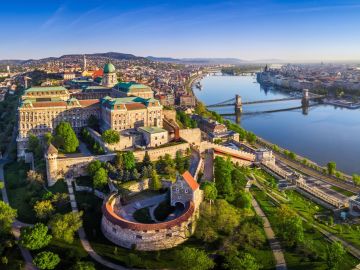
(343, 191)
(23, 195)
(296, 258)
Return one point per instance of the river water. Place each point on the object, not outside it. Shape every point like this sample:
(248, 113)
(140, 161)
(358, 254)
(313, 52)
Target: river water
(324, 134)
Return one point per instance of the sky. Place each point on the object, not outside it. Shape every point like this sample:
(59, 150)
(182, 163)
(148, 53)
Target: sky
(246, 29)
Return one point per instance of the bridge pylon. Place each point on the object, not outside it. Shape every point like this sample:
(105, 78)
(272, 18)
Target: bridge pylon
(305, 100)
(238, 104)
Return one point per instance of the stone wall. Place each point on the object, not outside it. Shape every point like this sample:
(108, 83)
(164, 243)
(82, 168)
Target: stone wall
(191, 135)
(76, 166)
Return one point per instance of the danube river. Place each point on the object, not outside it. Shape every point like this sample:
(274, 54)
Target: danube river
(325, 133)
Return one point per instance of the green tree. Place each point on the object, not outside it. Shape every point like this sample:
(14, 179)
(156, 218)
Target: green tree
(48, 138)
(331, 167)
(243, 200)
(250, 137)
(93, 167)
(129, 160)
(179, 162)
(247, 262)
(35, 146)
(64, 226)
(210, 191)
(146, 161)
(193, 259)
(100, 178)
(356, 179)
(119, 161)
(7, 217)
(65, 137)
(110, 136)
(155, 183)
(222, 172)
(46, 260)
(2, 185)
(289, 225)
(335, 253)
(135, 174)
(35, 237)
(84, 266)
(43, 209)
(238, 178)
(132, 260)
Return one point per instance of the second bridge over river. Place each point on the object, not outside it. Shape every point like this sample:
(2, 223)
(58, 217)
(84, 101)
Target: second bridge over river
(237, 102)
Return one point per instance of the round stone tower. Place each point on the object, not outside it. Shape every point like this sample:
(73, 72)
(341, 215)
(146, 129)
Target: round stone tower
(109, 77)
(51, 156)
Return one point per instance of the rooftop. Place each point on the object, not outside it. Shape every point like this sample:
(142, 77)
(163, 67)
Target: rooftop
(152, 130)
(45, 88)
(129, 86)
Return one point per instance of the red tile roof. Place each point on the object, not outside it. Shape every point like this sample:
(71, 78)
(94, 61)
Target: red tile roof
(190, 180)
(49, 104)
(135, 106)
(88, 102)
(97, 73)
(108, 212)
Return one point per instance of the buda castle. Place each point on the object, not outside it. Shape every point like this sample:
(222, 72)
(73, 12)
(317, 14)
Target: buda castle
(118, 106)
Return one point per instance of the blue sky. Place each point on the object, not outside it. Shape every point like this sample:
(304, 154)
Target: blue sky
(250, 30)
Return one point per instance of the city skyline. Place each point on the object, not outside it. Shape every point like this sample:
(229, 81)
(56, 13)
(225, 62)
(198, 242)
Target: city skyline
(285, 30)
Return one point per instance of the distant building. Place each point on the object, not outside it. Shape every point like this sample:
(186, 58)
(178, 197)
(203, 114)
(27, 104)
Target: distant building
(46, 93)
(68, 76)
(187, 100)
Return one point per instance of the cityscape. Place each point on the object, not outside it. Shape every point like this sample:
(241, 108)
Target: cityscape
(167, 135)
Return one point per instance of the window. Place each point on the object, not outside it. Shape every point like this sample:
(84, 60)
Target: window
(138, 237)
(186, 191)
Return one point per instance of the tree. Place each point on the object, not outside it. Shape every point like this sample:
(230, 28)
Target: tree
(43, 209)
(222, 172)
(247, 262)
(7, 217)
(34, 177)
(193, 259)
(249, 234)
(179, 162)
(146, 161)
(2, 185)
(289, 225)
(238, 178)
(129, 160)
(250, 137)
(65, 137)
(135, 174)
(46, 260)
(93, 167)
(100, 178)
(144, 173)
(36, 237)
(356, 179)
(335, 254)
(331, 167)
(119, 161)
(210, 191)
(243, 200)
(132, 260)
(35, 146)
(110, 136)
(64, 226)
(155, 183)
(84, 266)
(48, 138)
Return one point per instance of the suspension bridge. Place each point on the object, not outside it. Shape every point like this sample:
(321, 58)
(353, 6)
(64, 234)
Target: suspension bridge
(237, 103)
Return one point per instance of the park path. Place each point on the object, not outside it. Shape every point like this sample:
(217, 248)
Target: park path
(270, 235)
(84, 241)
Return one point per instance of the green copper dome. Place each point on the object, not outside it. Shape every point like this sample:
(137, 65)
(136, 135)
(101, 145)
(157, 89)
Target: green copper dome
(109, 68)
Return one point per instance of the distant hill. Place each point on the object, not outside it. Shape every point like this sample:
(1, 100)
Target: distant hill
(199, 61)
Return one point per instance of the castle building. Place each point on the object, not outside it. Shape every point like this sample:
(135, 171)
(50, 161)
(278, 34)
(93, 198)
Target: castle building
(109, 77)
(134, 89)
(46, 93)
(185, 189)
(130, 112)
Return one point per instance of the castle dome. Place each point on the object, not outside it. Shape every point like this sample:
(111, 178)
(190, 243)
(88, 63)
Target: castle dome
(109, 68)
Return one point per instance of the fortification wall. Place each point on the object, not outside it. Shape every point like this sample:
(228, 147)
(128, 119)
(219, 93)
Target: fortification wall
(191, 135)
(76, 166)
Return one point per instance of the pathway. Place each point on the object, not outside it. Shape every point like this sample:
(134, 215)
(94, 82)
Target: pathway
(270, 235)
(84, 242)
